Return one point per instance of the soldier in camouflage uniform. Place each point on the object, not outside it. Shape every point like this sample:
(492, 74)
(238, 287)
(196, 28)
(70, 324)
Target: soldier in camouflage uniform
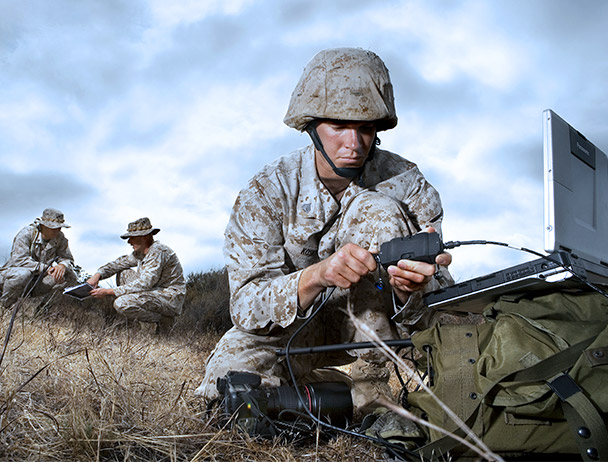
(39, 249)
(153, 292)
(309, 220)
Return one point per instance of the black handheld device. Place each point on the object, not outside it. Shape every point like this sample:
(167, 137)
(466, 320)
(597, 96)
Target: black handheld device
(419, 247)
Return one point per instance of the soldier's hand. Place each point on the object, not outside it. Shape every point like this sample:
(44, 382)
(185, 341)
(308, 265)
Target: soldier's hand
(409, 276)
(101, 292)
(94, 280)
(58, 272)
(345, 267)
(342, 269)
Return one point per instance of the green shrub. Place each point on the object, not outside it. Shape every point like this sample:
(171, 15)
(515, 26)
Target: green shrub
(207, 304)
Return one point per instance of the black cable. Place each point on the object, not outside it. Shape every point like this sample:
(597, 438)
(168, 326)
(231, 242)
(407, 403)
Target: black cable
(406, 342)
(421, 377)
(398, 372)
(452, 244)
(394, 448)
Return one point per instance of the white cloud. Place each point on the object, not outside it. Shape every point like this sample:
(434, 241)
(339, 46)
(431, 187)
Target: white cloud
(461, 40)
(183, 179)
(170, 13)
(165, 108)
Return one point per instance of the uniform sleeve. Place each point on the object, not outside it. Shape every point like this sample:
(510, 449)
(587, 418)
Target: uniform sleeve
(415, 315)
(64, 255)
(263, 287)
(148, 276)
(402, 180)
(118, 265)
(423, 204)
(21, 251)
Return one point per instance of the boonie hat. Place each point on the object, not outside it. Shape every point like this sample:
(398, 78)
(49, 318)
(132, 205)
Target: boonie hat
(140, 227)
(52, 218)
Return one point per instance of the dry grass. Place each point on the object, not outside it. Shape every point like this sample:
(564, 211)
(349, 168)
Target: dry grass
(77, 385)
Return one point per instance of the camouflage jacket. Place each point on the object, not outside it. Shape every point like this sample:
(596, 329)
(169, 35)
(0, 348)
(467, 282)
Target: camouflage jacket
(30, 250)
(158, 269)
(277, 221)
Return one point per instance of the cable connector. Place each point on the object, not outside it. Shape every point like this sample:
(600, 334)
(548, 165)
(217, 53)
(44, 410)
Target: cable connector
(419, 247)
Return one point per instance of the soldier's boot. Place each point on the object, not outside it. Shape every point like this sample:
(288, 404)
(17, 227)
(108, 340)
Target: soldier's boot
(370, 383)
(394, 428)
(164, 326)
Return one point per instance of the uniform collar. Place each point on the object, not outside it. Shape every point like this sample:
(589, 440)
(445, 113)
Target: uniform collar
(315, 200)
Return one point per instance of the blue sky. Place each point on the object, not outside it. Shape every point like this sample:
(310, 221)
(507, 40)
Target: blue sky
(112, 110)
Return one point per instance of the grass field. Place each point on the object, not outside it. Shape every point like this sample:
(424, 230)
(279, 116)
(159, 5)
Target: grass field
(78, 385)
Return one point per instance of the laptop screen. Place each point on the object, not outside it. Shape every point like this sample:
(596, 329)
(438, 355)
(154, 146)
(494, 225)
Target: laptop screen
(576, 192)
(576, 227)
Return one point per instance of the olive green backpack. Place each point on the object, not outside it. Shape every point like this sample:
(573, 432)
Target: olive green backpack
(532, 379)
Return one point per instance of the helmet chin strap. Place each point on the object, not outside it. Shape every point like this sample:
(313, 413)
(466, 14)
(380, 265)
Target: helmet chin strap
(344, 172)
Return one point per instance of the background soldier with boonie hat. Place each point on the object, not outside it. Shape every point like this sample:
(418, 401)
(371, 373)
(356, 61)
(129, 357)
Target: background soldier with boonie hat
(154, 291)
(38, 248)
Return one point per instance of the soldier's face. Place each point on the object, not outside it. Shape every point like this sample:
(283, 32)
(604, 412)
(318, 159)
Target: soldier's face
(140, 243)
(49, 233)
(346, 143)
(137, 242)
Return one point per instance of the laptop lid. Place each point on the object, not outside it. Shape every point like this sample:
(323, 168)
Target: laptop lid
(575, 220)
(576, 192)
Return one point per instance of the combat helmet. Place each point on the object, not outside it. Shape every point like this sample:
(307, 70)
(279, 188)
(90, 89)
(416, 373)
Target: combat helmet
(343, 84)
(349, 84)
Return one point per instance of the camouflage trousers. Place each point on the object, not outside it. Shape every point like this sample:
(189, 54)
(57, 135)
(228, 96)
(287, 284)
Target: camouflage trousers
(13, 281)
(371, 219)
(150, 306)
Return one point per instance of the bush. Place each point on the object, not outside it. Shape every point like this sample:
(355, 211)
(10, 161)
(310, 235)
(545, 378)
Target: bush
(207, 304)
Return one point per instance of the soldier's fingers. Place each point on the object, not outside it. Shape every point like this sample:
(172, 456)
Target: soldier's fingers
(408, 277)
(366, 258)
(341, 275)
(418, 267)
(343, 261)
(361, 261)
(407, 285)
(444, 259)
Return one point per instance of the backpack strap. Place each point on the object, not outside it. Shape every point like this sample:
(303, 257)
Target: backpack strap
(583, 418)
(585, 422)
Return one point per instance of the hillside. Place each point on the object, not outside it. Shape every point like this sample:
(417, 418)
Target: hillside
(78, 385)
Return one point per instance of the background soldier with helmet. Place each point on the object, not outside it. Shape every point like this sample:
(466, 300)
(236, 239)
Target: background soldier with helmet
(309, 220)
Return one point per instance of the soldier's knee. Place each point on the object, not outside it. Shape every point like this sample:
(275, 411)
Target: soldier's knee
(374, 213)
(373, 204)
(121, 304)
(18, 276)
(125, 276)
(372, 218)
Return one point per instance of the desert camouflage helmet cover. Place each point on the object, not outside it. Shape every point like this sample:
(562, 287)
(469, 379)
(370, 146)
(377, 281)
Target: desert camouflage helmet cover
(343, 84)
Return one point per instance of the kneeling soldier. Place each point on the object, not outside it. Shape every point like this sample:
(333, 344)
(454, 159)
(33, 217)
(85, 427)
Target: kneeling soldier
(155, 290)
(39, 250)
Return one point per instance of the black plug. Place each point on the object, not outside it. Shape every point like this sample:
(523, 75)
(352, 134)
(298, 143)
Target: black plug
(419, 247)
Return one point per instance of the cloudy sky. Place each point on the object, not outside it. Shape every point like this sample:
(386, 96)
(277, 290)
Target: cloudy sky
(111, 110)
